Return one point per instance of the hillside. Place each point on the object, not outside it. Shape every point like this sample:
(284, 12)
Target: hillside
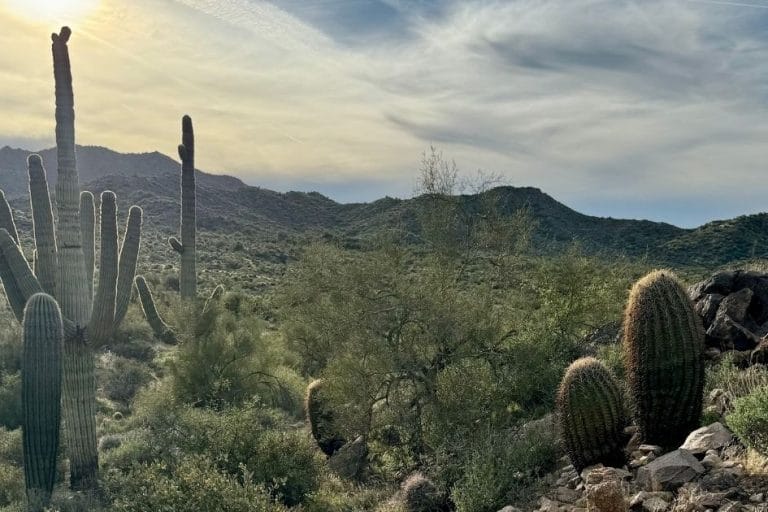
(228, 206)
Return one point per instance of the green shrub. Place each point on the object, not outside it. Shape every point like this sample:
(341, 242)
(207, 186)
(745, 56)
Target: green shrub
(11, 484)
(10, 400)
(195, 484)
(11, 450)
(504, 469)
(122, 378)
(749, 419)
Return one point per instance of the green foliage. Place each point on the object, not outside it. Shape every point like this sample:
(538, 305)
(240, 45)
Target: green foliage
(252, 441)
(737, 382)
(749, 419)
(122, 378)
(10, 400)
(505, 468)
(664, 344)
(591, 415)
(11, 484)
(226, 359)
(193, 485)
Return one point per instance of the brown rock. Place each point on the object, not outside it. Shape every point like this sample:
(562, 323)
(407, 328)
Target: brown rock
(606, 497)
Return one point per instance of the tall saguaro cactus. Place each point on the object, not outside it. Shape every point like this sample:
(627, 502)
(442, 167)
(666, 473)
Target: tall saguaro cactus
(43, 334)
(64, 266)
(187, 247)
(663, 350)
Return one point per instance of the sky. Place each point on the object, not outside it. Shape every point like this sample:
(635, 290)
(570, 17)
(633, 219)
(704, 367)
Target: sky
(624, 108)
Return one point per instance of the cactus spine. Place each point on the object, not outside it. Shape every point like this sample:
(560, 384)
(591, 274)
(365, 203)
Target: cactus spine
(663, 346)
(161, 330)
(41, 396)
(591, 415)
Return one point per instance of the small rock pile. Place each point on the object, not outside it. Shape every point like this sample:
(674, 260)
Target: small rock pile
(706, 474)
(734, 308)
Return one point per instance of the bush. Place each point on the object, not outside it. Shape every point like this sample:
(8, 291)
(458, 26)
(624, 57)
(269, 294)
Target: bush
(122, 378)
(11, 450)
(11, 484)
(505, 469)
(10, 400)
(195, 484)
(253, 442)
(749, 420)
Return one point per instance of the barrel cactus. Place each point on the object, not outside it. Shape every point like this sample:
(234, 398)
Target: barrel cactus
(321, 419)
(41, 396)
(663, 351)
(591, 415)
(419, 494)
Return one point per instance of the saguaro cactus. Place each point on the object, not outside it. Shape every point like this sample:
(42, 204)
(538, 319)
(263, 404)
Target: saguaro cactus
(66, 252)
(591, 415)
(187, 247)
(663, 346)
(161, 330)
(41, 396)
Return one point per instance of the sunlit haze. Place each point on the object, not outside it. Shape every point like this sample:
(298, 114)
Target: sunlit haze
(652, 109)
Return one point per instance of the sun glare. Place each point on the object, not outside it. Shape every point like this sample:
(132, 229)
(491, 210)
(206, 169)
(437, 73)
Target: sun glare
(63, 11)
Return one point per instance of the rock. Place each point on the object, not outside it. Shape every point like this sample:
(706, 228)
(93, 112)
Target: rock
(349, 461)
(757, 498)
(735, 305)
(655, 504)
(658, 450)
(510, 508)
(760, 354)
(548, 505)
(606, 497)
(713, 353)
(711, 461)
(711, 437)
(731, 334)
(603, 474)
(707, 306)
(720, 283)
(566, 495)
(669, 471)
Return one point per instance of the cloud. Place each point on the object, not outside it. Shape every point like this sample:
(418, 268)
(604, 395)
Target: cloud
(613, 106)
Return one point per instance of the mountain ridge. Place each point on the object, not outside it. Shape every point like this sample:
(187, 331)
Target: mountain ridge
(229, 205)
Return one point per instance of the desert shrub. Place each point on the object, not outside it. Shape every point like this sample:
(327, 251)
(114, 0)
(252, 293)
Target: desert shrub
(135, 447)
(10, 343)
(192, 485)
(252, 440)
(226, 359)
(338, 495)
(505, 468)
(10, 446)
(10, 400)
(122, 378)
(749, 419)
(11, 484)
(737, 382)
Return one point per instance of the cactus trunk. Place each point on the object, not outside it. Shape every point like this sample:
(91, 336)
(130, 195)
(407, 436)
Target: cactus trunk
(663, 348)
(188, 279)
(72, 289)
(41, 397)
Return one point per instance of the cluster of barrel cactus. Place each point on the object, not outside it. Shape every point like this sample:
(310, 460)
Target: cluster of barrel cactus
(663, 343)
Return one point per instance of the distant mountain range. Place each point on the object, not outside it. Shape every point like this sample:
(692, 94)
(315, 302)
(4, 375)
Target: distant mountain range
(226, 204)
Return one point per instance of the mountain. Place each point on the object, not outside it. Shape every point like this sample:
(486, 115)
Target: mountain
(227, 205)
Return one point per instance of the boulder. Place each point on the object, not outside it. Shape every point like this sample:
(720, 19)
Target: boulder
(736, 305)
(606, 497)
(730, 334)
(711, 437)
(669, 471)
(720, 283)
(349, 460)
(707, 306)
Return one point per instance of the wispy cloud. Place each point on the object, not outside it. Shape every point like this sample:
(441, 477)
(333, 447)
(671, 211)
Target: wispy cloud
(646, 108)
